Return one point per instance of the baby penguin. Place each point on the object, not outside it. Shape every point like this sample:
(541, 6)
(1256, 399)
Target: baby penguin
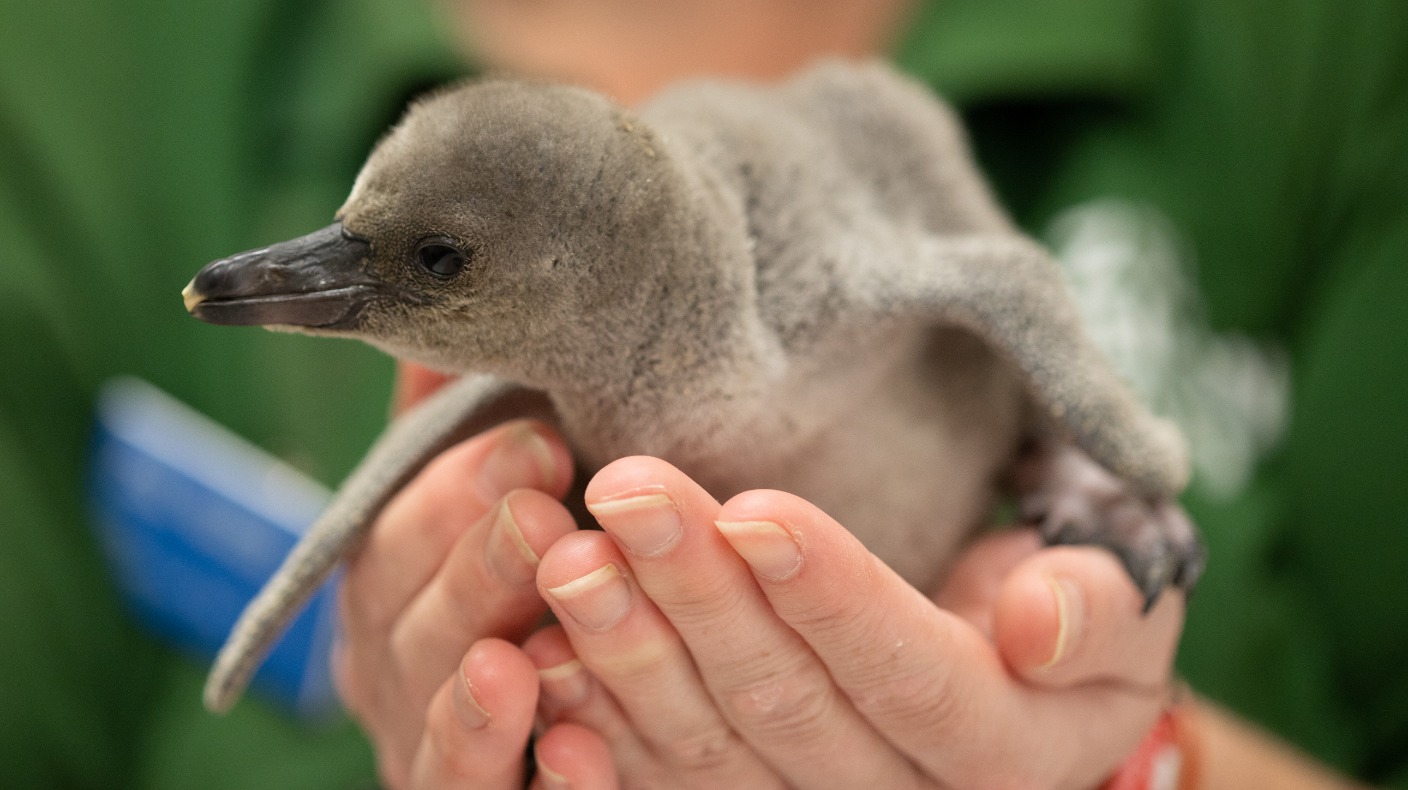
(805, 287)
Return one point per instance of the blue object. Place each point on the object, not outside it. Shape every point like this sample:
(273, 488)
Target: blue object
(194, 519)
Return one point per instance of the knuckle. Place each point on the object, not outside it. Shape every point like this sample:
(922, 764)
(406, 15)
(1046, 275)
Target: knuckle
(843, 613)
(424, 646)
(703, 602)
(782, 706)
(704, 752)
(913, 700)
(635, 661)
(658, 779)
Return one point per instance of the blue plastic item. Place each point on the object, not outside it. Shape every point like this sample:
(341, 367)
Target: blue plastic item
(194, 519)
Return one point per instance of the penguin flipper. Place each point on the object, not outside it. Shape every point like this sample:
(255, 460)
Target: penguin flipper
(1105, 470)
(1010, 293)
(459, 410)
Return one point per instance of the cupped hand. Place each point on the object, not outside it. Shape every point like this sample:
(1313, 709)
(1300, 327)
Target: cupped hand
(432, 608)
(451, 562)
(681, 662)
(758, 644)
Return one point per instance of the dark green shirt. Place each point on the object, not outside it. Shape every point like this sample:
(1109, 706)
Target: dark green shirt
(139, 140)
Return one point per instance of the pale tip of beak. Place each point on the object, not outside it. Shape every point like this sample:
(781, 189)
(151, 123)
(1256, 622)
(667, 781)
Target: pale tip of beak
(191, 296)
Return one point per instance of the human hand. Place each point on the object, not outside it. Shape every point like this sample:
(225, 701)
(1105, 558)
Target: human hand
(433, 604)
(819, 667)
(1111, 668)
(447, 573)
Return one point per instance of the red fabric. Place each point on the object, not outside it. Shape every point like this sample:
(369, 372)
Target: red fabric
(1167, 758)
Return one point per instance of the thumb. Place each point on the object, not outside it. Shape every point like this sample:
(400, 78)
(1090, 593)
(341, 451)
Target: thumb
(971, 588)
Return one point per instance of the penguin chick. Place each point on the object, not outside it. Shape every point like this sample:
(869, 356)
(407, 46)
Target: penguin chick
(805, 287)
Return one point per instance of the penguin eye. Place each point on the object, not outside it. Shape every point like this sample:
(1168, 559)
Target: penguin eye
(440, 259)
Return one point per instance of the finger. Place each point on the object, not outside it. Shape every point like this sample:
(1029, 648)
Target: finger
(406, 550)
(575, 757)
(415, 532)
(442, 506)
(633, 652)
(486, 587)
(1070, 615)
(569, 694)
(767, 682)
(413, 384)
(1067, 615)
(972, 585)
(565, 684)
(928, 680)
(477, 725)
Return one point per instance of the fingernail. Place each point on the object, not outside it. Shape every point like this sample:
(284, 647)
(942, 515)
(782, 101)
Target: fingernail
(1070, 618)
(471, 714)
(597, 600)
(522, 459)
(649, 524)
(565, 684)
(509, 555)
(766, 547)
(550, 779)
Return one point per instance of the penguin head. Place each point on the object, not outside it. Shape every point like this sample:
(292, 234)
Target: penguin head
(494, 218)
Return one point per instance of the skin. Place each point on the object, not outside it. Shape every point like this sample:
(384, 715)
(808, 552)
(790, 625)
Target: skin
(630, 48)
(431, 600)
(436, 591)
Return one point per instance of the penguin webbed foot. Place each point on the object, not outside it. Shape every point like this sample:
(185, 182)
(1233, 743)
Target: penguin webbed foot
(1074, 501)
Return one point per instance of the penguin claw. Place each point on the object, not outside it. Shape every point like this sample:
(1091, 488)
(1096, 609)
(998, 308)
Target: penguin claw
(1154, 540)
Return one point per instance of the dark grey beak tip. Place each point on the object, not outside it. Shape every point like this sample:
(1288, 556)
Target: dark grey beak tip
(316, 280)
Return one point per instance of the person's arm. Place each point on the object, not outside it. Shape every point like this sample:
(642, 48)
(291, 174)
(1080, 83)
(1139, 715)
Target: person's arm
(1236, 755)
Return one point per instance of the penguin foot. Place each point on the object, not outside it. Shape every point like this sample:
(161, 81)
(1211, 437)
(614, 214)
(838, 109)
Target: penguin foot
(1074, 501)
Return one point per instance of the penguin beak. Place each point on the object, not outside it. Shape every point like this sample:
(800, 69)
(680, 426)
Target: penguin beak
(312, 281)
